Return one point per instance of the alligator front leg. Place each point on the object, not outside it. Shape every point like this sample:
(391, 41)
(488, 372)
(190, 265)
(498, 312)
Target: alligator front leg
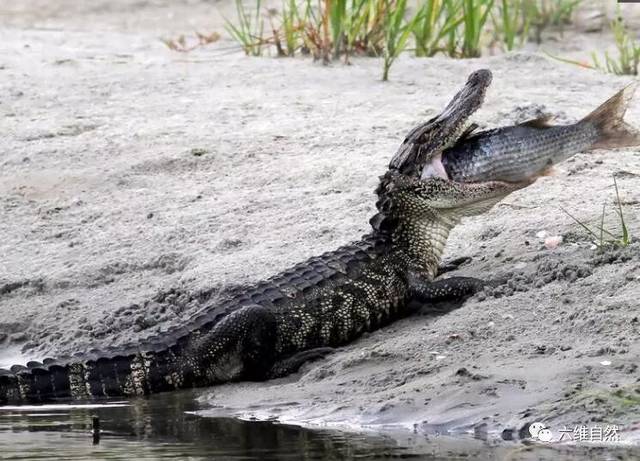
(449, 289)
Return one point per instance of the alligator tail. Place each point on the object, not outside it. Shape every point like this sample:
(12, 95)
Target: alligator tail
(94, 376)
(203, 353)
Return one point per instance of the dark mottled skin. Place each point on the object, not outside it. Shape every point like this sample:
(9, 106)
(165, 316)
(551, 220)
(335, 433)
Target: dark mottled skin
(269, 330)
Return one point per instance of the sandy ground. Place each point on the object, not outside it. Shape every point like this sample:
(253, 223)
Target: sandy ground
(136, 182)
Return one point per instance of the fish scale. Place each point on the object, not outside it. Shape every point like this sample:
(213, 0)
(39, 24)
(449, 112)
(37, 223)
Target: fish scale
(515, 153)
(526, 151)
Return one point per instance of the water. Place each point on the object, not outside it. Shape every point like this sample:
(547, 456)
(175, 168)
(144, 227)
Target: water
(165, 427)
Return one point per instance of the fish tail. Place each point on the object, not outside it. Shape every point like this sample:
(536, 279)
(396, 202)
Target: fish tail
(613, 131)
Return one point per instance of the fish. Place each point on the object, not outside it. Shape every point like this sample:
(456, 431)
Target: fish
(531, 149)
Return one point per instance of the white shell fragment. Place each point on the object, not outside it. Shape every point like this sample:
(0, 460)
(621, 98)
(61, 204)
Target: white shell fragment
(553, 242)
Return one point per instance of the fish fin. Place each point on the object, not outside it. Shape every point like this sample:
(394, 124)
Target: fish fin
(548, 171)
(608, 120)
(540, 122)
(468, 131)
(470, 134)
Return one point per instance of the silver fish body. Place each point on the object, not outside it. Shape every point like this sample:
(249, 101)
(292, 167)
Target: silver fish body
(526, 151)
(516, 153)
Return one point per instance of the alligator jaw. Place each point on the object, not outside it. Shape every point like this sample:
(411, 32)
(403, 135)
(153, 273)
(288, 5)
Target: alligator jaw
(469, 98)
(431, 138)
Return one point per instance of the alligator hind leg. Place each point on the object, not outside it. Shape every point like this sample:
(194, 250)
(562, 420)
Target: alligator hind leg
(241, 346)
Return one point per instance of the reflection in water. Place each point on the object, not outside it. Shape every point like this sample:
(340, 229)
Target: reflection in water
(162, 427)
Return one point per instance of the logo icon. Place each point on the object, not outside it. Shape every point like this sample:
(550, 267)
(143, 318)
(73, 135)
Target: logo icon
(540, 432)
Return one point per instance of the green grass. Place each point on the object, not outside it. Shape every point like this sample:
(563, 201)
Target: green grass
(603, 237)
(626, 237)
(545, 13)
(608, 403)
(435, 21)
(331, 29)
(475, 14)
(625, 62)
(397, 32)
(290, 24)
(511, 24)
(249, 29)
(628, 58)
(627, 397)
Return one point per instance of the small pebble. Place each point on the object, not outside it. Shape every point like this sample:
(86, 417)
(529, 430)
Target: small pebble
(198, 152)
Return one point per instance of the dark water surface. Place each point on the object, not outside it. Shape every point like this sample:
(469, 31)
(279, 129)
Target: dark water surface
(163, 427)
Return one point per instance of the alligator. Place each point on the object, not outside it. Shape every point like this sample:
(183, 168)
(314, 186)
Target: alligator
(271, 329)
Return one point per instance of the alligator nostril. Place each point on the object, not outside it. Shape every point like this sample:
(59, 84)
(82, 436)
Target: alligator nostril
(481, 75)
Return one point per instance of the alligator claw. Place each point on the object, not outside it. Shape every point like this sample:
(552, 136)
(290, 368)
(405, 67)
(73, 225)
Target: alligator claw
(453, 264)
(293, 363)
(496, 282)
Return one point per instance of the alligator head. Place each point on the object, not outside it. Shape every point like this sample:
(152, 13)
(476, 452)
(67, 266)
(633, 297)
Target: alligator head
(417, 203)
(428, 140)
